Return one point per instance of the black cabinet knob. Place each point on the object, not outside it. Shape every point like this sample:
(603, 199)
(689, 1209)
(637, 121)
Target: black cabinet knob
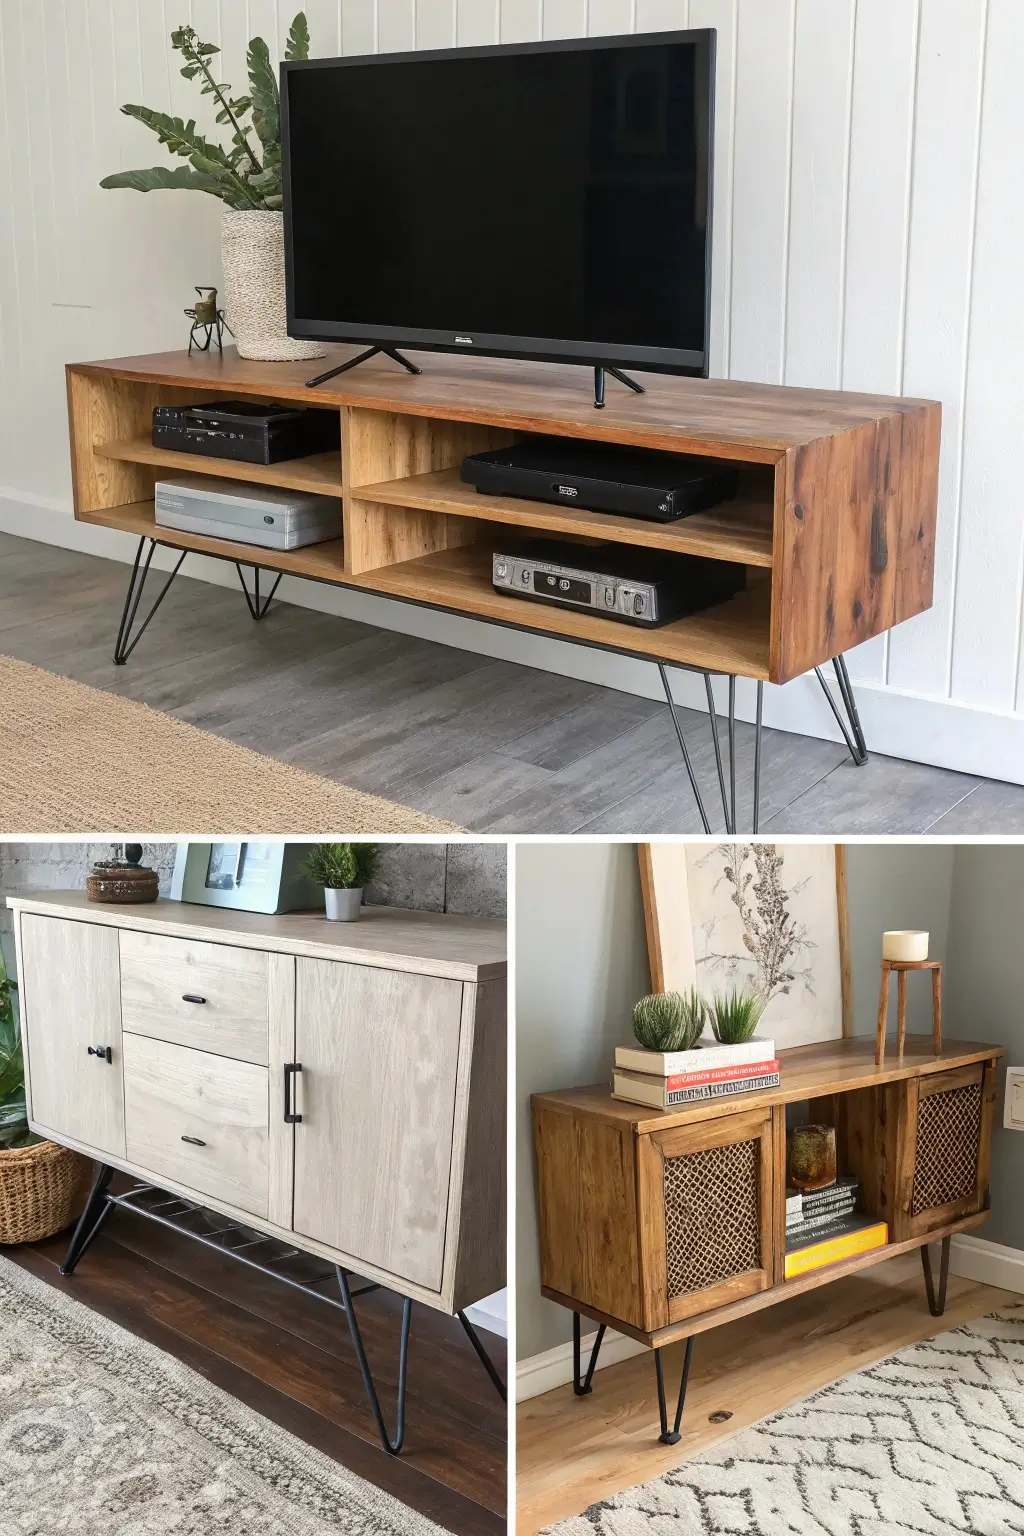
(101, 1052)
(192, 997)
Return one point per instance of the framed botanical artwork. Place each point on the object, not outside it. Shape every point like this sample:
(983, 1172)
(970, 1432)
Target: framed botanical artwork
(767, 915)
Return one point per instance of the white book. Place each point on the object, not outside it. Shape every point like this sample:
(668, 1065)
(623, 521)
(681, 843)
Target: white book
(667, 1063)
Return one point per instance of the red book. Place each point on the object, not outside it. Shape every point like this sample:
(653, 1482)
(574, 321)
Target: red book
(721, 1074)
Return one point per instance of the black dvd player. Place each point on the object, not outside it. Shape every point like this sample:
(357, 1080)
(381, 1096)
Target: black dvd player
(603, 477)
(238, 429)
(634, 586)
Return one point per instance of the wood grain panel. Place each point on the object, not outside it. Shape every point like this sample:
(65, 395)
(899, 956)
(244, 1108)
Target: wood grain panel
(373, 1155)
(586, 1176)
(70, 1000)
(317, 473)
(172, 1092)
(158, 973)
(281, 1049)
(104, 408)
(475, 1246)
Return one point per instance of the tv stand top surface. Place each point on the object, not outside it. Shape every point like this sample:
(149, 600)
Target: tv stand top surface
(757, 422)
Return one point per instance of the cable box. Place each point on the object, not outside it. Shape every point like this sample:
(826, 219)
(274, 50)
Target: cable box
(238, 429)
(632, 586)
(265, 515)
(603, 477)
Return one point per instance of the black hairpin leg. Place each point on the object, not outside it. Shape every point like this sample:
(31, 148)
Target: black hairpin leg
(582, 1388)
(667, 1436)
(140, 570)
(97, 1209)
(256, 608)
(936, 1305)
(483, 1356)
(682, 746)
(853, 734)
(391, 1446)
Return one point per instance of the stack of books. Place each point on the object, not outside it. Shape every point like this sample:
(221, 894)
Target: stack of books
(666, 1079)
(824, 1226)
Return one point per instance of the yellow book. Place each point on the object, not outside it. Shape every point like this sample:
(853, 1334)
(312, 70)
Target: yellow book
(800, 1261)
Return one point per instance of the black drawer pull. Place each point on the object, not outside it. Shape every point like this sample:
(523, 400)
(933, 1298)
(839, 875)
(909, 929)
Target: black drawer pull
(194, 1141)
(291, 1069)
(192, 997)
(101, 1052)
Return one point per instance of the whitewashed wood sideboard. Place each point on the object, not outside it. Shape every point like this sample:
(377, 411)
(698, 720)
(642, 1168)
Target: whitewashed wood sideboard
(337, 1088)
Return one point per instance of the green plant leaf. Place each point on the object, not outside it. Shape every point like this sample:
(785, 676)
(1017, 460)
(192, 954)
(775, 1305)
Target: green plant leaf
(266, 102)
(163, 177)
(297, 46)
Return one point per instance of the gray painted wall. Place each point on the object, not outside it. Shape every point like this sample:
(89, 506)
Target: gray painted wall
(984, 989)
(581, 963)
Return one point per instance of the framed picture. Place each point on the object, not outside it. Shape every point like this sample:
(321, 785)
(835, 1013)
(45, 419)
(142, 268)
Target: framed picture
(249, 877)
(772, 916)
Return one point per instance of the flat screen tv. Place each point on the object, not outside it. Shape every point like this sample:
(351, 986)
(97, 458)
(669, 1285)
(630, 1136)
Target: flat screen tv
(542, 200)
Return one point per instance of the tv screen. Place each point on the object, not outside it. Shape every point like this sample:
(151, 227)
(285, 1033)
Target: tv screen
(547, 200)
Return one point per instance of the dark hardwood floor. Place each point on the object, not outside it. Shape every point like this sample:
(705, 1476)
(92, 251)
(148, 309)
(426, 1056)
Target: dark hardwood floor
(492, 746)
(290, 1358)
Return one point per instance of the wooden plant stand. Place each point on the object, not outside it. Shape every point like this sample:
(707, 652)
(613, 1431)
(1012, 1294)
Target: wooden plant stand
(834, 520)
(901, 967)
(663, 1224)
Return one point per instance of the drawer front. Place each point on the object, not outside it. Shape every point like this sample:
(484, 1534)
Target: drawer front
(212, 997)
(201, 1120)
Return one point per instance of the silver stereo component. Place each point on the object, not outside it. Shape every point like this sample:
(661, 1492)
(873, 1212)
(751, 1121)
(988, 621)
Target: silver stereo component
(611, 595)
(272, 517)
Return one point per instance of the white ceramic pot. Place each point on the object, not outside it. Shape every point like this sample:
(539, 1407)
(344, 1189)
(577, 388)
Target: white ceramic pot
(252, 255)
(905, 944)
(343, 906)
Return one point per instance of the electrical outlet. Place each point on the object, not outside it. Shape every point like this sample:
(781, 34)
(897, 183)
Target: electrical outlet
(1013, 1107)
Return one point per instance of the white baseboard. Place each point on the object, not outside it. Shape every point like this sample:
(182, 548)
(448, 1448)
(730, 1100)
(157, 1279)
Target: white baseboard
(974, 1258)
(491, 1313)
(941, 732)
(553, 1368)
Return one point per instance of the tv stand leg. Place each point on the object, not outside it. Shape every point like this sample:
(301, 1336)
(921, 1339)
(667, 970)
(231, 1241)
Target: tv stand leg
(353, 362)
(600, 369)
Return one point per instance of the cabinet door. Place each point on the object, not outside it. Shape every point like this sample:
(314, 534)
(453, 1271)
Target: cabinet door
(379, 1051)
(705, 1215)
(949, 1135)
(71, 1002)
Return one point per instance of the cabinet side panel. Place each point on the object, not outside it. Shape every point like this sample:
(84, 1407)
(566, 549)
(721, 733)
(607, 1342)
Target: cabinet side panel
(586, 1177)
(26, 1054)
(854, 538)
(479, 1182)
(104, 409)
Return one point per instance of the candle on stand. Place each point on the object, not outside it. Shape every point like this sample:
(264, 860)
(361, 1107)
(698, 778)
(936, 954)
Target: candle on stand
(905, 944)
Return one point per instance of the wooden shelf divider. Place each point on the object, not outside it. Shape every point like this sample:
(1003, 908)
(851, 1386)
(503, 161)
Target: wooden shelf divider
(317, 473)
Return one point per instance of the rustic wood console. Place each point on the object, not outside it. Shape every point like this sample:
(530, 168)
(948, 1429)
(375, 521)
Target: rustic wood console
(663, 1224)
(834, 520)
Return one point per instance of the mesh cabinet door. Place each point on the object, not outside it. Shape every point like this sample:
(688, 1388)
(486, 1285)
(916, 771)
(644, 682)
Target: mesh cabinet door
(705, 1215)
(949, 1125)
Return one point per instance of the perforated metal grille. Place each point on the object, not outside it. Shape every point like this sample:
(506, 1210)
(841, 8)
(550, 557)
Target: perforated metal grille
(712, 1218)
(948, 1140)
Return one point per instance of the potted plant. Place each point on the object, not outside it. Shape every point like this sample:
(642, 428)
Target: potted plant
(670, 1021)
(246, 176)
(735, 1015)
(42, 1185)
(344, 870)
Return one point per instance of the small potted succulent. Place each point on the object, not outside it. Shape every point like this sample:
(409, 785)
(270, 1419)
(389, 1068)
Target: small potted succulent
(735, 1015)
(344, 870)
(670, 1021)
(42, 1185)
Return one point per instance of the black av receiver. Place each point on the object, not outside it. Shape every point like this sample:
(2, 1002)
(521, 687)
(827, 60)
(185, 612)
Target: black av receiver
(238, 429)
(603, 477)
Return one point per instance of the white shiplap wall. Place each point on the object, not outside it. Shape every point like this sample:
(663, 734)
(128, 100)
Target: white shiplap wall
(867, 236)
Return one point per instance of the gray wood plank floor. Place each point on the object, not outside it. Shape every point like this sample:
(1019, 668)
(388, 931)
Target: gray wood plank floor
(495, 747)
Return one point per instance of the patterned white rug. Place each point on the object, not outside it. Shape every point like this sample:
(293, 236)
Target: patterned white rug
(927, 1442)
(101, 1434)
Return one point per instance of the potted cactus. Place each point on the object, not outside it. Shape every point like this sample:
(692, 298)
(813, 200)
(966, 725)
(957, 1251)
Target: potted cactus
(670, 1021)
(344, 870)
(245, 175)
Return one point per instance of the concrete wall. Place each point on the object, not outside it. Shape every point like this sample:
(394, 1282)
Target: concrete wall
(581, 963)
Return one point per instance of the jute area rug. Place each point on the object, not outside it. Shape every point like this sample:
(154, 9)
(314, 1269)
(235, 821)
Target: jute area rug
(927, 1442)
(77, 759)
(101, 1434)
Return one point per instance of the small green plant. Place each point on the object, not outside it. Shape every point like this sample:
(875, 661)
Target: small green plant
(14, 1131)
(245, 175)
(670, 1021)
(736, 1014)
(343, 866)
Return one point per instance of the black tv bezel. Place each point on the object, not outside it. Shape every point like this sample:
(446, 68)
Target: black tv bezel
(675, 360)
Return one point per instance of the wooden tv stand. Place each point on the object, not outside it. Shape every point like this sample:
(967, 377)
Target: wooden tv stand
(834, 519)
(664, 1223)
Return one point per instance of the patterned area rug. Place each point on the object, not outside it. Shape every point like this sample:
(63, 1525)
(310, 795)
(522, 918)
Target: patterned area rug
(77, 759)
(101, 1434)
(927, 1442)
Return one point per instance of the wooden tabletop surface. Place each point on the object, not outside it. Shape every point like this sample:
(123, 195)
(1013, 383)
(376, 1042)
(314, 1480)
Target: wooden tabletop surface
(805, 1071)
(759, 422)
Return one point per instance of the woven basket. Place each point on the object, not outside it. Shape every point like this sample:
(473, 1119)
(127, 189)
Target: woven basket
(252, 256)
(42, 1190)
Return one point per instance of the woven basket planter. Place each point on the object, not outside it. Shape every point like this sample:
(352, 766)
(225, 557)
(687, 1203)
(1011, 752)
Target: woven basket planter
(252, 255)
(42, 1191)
